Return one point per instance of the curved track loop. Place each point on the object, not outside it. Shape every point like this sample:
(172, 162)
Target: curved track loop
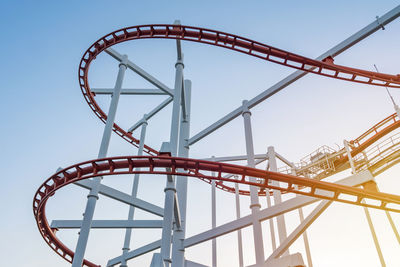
(368, 138)
(225, 40)
(371, 135)
(197, 168)
(194, 168)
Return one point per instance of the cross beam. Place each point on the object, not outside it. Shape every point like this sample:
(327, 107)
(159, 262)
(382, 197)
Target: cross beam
(123, 197)
(140, 72)
(107, 224)
(336, 50)
(271, 212)
(109, 91)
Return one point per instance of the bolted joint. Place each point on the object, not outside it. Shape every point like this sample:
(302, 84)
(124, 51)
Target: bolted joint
(93, 195)
(179, 62)
(165, 149)
(371, 186)
(186, 143)
(245, 108)
(124, 61)
(379, 23)
(181, 246)
(255, 205)
(168, 260)
(144, 120)
(186, 119)
(169, 189)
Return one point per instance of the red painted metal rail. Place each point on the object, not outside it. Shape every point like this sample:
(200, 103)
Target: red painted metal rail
(370, 137)
(225, 40)
(200, 169)
(229, 41)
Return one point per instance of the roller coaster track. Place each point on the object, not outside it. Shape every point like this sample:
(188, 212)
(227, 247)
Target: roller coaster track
(225, 40)
(368, 150)
(163, 164)
(196, 168)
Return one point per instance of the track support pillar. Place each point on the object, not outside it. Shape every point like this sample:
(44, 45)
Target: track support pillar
(178, 251)
(94, 192)
(128, 232)
(254, 201)
(366, 211)
(280, 219)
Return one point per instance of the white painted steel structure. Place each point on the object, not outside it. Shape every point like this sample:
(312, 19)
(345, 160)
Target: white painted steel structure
(173, 240)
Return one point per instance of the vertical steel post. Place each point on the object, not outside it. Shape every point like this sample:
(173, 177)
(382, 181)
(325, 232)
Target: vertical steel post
(213, 219)
(94, 192)
(367, 214)
(239, 232)
(170, 185)
(396, 233)
(280, 219)
(178, 252)
(270, 221)
(254, 202)
(305, 237)
(128, 231)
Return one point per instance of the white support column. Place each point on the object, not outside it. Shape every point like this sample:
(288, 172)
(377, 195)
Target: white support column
(396, 233)
(305, 237)
(285, 244)
(94, 192)
(267, 213)
(168, 213)
(170, 185)
(367, 214)
(213, 219)
(277, 197)
(239, 232)
(128, 232)
(254, 202)
(334, 51)
(270, 221)
(178, 251)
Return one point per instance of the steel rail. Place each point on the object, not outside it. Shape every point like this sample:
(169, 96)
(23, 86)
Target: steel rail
(225, 40)
(359, 145)
(195, 168)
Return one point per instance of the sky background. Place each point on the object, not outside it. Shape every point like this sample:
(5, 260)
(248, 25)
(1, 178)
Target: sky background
(47, 124)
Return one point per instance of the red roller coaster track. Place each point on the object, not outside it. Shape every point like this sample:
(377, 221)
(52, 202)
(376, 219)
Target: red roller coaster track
(225, 40)
(156, 164)
(195, 168)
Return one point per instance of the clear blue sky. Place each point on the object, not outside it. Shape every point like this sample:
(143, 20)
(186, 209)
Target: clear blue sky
(47, 124)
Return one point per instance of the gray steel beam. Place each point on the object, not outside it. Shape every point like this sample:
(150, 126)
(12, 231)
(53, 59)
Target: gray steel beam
(236, 158)
(135, 253)
(81, 245)
(267, 213)
(286, 243)
(178, 255)
(284, 160)
(107, 224)
(141, 72)
(336, 50)
(177, 212)
(123, 197)
(151, 113)
(136, 91)
(183, 101)
(261, 160)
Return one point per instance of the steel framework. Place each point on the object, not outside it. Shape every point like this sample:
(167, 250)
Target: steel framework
(367, 156)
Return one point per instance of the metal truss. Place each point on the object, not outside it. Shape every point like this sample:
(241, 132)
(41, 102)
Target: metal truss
(367, 156)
